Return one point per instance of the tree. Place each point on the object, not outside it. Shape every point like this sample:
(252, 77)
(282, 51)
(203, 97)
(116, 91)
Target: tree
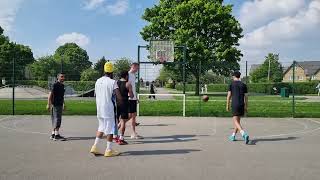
(43, 67)
(120, 65)
(90, 75)
(74, 60)
(206, 27)
(10, 51)
(99, 66)
(276, 70)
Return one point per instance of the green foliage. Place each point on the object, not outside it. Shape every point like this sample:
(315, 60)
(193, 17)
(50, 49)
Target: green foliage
(42, 68)
(120, 65)
(10, 51)
(99, 66)
(89, 75)
(74, 59)
(276, 70)
(206, 27)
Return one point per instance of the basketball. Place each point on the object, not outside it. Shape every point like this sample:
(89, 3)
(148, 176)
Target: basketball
(205, 98)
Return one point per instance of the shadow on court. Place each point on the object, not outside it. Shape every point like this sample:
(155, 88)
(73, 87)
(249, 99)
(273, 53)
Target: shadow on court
(159, 152)
(80, 138)
(255, 141)
(156, 125)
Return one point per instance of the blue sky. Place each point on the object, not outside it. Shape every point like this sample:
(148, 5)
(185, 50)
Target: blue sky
(111, 28)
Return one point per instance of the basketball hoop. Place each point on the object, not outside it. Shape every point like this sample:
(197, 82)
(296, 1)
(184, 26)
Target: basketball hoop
(161, 51)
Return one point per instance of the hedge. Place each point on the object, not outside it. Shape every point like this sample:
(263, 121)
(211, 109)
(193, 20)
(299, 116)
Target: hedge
(265, 88)
(76, 85)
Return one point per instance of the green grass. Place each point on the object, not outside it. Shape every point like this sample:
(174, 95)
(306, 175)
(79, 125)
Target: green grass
(258, 107)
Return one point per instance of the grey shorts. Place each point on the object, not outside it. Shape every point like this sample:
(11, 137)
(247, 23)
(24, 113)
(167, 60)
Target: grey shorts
(56, 114)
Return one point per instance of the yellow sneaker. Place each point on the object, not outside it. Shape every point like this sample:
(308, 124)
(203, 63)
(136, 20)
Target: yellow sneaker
(94, 150)
(111, 153)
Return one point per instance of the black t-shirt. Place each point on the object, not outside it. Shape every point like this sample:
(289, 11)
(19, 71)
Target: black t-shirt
(152, 88)
(58, 94)
(123, 90)
(238, 90)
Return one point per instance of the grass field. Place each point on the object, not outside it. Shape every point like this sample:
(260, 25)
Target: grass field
(259, 106)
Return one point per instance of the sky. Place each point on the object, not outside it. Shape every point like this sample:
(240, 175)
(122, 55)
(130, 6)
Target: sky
(111, 28)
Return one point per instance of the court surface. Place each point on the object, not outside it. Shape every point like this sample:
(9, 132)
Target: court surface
(173, 148)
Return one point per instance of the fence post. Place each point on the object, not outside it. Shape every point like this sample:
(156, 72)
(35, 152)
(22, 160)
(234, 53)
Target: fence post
(293, 88)
(199, 71)
(246, 72)
(13, 85)
(138, 88)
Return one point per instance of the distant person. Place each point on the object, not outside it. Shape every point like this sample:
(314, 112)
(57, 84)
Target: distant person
(125, 89)
(56, 106)
(318, 87)
(133, 101)
(152, 90)
(238, 93)
(106, 88)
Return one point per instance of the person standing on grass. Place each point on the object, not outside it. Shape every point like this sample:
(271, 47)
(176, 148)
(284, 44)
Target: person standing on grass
(318, 87)
(152, 90)
(105, 89)
(56, 106)
(238, 94)
(125, 89)
(133, 101)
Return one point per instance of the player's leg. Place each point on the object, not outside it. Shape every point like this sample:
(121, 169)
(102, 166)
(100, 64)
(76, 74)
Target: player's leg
(122, 131)
(99, 136)
(109, 124)
(239, 127)
(132, 116)
(235, 130)
(56, 121)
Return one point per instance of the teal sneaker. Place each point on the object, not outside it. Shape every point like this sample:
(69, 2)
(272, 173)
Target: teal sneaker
(246, 138)
(232, 138)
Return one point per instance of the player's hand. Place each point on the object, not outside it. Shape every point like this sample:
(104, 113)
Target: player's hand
(228, 108)
(48, 107)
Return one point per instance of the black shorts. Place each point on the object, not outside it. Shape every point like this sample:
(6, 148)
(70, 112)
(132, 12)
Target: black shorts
(123, 110)
(238, 110)
(132, 106)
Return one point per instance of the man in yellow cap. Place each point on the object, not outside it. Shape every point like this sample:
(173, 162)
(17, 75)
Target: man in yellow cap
(105, 89)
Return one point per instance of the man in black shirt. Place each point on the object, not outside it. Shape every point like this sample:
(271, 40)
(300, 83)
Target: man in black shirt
(56, 106)
(238, 93)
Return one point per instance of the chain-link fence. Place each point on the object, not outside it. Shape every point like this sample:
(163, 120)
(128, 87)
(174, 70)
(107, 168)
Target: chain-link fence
(288, 90)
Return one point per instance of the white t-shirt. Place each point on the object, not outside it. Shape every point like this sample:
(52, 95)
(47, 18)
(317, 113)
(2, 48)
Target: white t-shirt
(132, 80)
(104, 89)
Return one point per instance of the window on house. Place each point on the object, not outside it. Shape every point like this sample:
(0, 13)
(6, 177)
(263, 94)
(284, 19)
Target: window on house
(313, 77)
(300, 78)
(291, 78)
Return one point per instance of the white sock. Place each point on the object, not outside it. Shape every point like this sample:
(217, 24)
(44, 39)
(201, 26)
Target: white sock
(56, 132)
(96, 142)
(121, 137)
(52, 132)
(109, 146)
(233, 134)
(242, 132)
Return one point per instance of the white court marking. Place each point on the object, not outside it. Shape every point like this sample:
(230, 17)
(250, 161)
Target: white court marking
(305, 130)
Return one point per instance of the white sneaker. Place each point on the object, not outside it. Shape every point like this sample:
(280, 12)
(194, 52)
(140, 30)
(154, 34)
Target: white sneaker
(136, 136)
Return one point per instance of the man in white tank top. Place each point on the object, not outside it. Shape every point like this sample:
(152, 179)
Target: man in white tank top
(105, 89)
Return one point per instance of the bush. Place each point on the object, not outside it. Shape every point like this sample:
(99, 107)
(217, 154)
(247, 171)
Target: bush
(76, 85)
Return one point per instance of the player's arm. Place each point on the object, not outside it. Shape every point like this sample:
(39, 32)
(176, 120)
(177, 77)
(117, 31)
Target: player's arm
(246, 102)
(228, 101)
(129, 86)
(49, 101)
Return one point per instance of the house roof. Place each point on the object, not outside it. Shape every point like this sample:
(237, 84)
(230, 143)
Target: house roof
(310, 67)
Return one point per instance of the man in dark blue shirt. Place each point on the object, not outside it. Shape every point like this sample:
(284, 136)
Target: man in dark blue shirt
(56, 106)
(237, 93)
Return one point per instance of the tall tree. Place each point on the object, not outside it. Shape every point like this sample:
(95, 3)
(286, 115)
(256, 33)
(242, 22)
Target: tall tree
(120, 65)
(276, 70)
(74, 60)
(89, 75)
(100, 65)
(44, 67)
(206, 27)
(10, 51)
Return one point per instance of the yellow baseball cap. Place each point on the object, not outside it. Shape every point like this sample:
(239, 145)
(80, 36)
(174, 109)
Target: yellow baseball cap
(108, 67)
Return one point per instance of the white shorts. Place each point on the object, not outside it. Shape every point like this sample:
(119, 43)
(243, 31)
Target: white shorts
(106, 125)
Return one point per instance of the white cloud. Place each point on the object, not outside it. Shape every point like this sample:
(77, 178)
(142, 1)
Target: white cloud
(113, 7)
(78, 38)
(8, 11)
(259, 12)
(292, 36)
(93, 4)
(118, 8)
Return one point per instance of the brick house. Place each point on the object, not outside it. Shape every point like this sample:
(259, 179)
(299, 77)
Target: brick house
(304, 71)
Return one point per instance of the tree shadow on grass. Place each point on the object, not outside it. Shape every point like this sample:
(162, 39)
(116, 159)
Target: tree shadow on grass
(255, 141)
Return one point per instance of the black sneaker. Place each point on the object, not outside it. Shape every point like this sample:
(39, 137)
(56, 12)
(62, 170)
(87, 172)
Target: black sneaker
(137, 124)
(52, 136)
(58, 137)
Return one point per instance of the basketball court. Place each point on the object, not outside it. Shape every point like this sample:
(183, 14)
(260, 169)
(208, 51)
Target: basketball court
(173, 148)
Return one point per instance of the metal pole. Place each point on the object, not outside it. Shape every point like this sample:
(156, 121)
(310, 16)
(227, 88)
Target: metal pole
(184, 68)
(13, 85)
(293, 88)
(199, 70)
(246, 72)
(138, 90)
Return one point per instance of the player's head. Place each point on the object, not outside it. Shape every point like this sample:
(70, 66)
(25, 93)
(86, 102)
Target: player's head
(124, 75)
(60, 77)
(236, 74)
(108, 69)
(134, 67)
